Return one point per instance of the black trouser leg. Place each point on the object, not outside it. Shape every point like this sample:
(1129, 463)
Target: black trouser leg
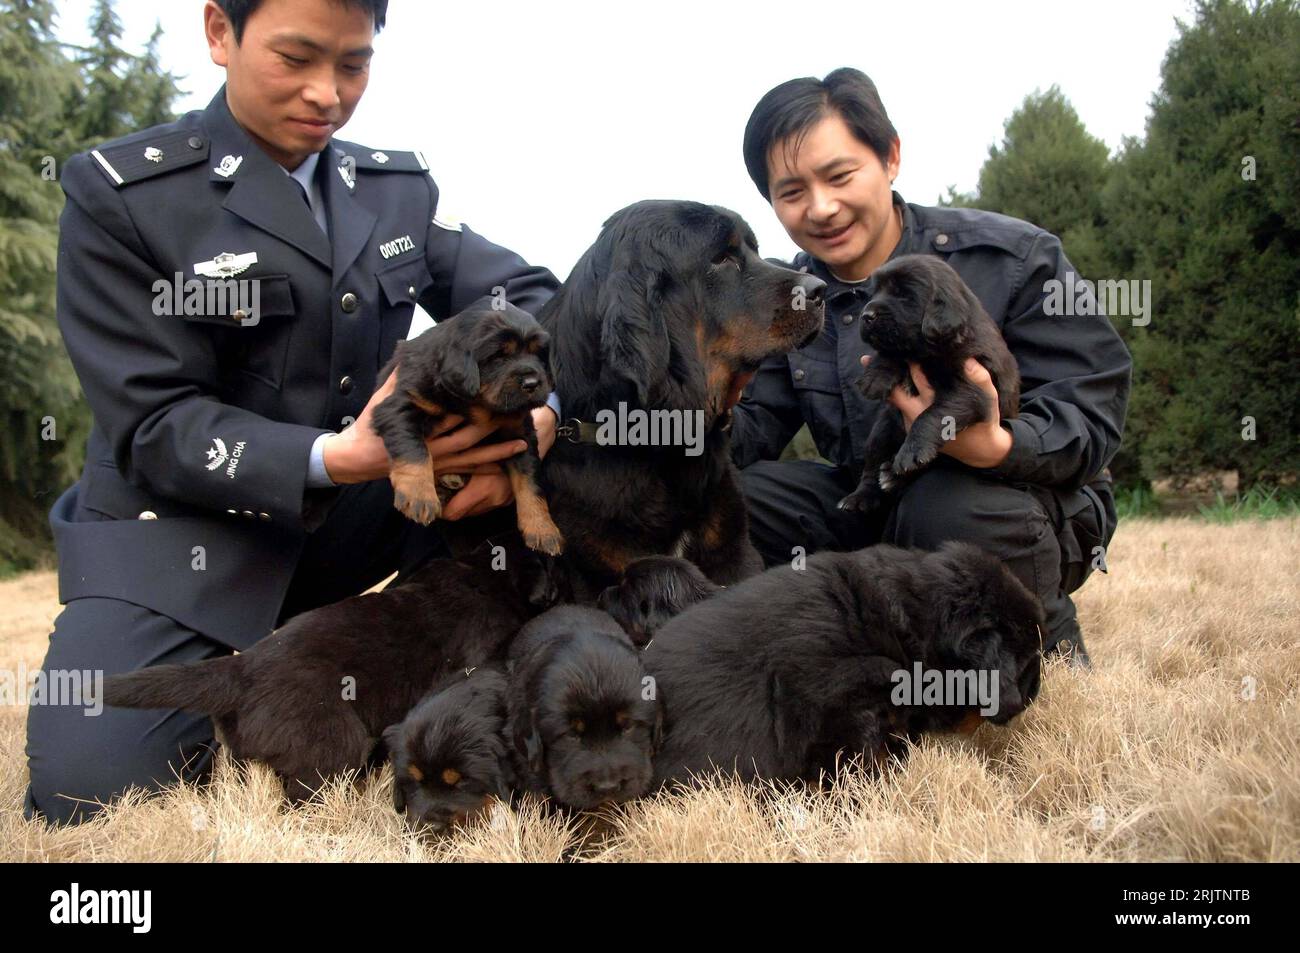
(75, 758)
(793, 504)
(79, 754)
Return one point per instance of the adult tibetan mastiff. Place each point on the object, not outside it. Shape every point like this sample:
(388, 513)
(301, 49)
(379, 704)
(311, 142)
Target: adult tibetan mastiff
(661, 324)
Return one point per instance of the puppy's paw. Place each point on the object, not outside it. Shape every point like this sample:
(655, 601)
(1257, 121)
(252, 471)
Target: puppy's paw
(865, 500)
(415, 494)
(913, 456)
(549, 542)
(886, 479)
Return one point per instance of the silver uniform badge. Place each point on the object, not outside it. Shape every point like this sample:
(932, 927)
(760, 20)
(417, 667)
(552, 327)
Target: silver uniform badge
(153, 154)
(229, 166)
(346, 175)
(226, 265)
(379, 157)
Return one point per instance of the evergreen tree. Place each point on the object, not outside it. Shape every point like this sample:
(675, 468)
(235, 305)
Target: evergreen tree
(1050, 171)
(39, 396)
(50, 107)
(1207, 208)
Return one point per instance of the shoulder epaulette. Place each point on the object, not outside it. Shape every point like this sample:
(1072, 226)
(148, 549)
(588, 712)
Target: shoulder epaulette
(385, 160)
(145, 156)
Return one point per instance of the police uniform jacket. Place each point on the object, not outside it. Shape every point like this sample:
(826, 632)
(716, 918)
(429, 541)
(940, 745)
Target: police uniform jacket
(1075, 370)
(193, 501)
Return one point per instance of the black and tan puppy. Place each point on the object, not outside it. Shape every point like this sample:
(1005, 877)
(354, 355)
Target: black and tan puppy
(776, 676)
(449, 755)
(669, 313)
(312, 699)
(488, 366)
(584, 720)
(653, 590)
(925, 313)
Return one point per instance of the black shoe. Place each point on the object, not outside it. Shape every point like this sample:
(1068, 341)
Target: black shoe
(1071, 649)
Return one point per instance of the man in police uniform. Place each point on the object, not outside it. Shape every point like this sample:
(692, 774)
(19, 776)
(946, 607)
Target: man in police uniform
(231, 477)
(1033, 490)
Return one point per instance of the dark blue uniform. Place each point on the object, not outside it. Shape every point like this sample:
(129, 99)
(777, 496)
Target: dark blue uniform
(1044, 509)
(192, 530)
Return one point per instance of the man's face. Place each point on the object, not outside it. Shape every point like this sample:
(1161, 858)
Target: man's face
(297, 74)
(834, 198)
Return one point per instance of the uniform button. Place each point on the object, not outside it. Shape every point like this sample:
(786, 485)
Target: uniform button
(195, 142)
(941, 239)
(349, 302)
(345, 385)
(799, 375)
(233, 512)
(239, 315)
(848, 318)
(248, 513)
(264, 517)
(148, 515)
(411, 291)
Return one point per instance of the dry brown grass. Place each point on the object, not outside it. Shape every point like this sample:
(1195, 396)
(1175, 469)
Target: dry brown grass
(1154, 755)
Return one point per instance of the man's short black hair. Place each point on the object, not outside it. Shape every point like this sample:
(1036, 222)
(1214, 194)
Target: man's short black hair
(238, 12)
(790, 110)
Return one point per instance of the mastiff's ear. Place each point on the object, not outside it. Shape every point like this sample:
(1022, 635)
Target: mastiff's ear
(633, 334)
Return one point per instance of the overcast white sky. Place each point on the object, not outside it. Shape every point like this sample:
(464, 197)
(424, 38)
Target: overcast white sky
(540, 119)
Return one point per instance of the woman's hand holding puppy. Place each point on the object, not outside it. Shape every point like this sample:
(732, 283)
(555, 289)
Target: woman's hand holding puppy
(981, 445)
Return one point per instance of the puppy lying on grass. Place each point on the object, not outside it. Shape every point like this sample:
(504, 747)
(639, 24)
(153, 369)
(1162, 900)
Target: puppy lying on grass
(778, 675)
(313, 698)
(653, 590)
(449, 756)
(584, 722)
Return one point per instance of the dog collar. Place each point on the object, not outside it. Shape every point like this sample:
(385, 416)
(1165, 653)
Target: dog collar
(577, 431)
(582, 431)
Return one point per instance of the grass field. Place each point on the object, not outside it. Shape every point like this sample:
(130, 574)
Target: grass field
(1183, 743)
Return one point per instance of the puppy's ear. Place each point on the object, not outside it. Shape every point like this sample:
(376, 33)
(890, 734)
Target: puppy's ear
(389, 745)
(943, 321)
(527, 739)
(633, 335)
(458, 372)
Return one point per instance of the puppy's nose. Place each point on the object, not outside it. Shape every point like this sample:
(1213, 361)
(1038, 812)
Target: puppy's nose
(607, 786)
(530, 384)
(814, 288)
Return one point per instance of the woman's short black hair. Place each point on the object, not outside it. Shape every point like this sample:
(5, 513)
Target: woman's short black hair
(238, 12)
(788, 111)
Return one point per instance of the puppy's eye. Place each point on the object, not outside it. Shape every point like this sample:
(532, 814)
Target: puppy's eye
(578, 726)
(451, 777)
(729, 257)
(645, 606)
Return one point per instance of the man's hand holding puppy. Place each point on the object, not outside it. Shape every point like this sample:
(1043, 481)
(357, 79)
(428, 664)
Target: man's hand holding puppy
(981, 445)
(357, 455)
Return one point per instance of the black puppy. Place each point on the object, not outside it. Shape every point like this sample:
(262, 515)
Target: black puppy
(488, 366)
(584, 719)
(780, 674)
(923, 312)
(669, 313)
(312, 699)
(449, 754)
(653, 590)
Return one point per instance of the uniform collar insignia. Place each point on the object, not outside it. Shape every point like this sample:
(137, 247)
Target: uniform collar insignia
(229, 166)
